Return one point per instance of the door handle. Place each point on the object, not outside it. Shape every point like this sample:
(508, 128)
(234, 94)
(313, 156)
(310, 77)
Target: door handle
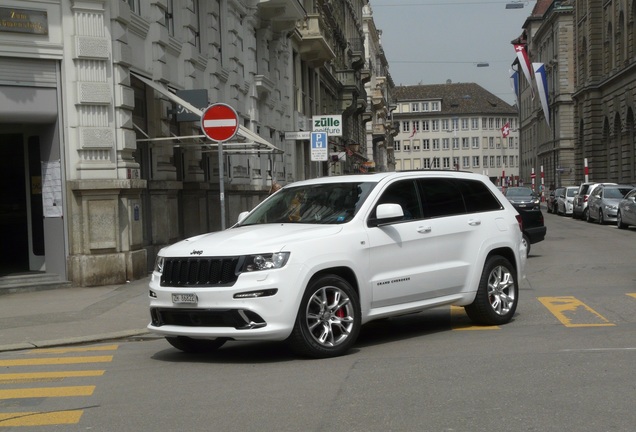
(474, 222)
(424, 229)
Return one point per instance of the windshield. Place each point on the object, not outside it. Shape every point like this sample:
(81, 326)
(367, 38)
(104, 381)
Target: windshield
(329, 203)
(571, 192)
(618, 192)
(518, 191)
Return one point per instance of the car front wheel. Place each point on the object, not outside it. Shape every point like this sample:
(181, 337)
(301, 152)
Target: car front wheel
(329, 319)
(619, 221)
(497, 295)
(601, 221)
(190, 345)
(526, 242)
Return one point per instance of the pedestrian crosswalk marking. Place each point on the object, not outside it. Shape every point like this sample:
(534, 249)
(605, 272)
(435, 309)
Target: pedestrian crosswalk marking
(42, 392)
(12, 378)
(460, 321)
(572, 312)
(40, 419)
(55, 361)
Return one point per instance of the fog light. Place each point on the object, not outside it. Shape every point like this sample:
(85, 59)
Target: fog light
(152, 294)
(256, 294)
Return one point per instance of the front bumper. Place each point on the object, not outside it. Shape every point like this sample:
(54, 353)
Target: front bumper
(219, 313)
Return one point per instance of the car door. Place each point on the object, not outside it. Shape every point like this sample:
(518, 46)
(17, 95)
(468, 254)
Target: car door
(629, 208)
(594, 201)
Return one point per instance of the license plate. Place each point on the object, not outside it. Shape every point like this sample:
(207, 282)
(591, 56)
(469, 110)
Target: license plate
(190, 298)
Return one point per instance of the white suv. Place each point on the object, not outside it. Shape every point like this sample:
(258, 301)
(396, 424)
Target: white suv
(318, 259)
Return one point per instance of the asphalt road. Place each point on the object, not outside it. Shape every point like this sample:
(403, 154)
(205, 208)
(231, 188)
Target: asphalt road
(565, 363)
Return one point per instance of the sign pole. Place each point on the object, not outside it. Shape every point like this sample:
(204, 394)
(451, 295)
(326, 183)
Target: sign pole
(219, 123)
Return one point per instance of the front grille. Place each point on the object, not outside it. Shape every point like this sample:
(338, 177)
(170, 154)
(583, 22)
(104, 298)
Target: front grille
(199, 271)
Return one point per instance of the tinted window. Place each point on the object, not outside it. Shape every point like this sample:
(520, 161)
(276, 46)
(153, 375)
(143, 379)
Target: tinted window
(405, 194)
(477, 197)
(441, 197)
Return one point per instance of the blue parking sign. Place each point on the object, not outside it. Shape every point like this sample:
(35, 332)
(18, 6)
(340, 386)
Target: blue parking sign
(319, 146)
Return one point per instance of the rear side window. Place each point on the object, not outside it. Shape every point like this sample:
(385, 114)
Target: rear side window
(477, 197)
(441, 197)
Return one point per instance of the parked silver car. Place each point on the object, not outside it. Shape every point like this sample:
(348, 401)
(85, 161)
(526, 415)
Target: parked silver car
(602, 204)
(565, 200)
(627, 210)
(579, 209)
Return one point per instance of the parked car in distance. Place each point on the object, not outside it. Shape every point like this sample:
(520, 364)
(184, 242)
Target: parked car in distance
(565, 200)
(552, 200)
(318, 259)
(522, 197)
(579, 209)
(626, 214)
(602, 203)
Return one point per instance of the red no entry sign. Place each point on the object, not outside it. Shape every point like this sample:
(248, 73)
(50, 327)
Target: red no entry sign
(219, 122)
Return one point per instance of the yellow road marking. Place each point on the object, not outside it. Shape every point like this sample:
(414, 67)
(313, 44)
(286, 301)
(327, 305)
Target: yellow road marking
(632, 294)
(574, 313)
(43, 392)
(40, 419)
(73, 349)
(460, 321)
(55, 361)
(46, 376)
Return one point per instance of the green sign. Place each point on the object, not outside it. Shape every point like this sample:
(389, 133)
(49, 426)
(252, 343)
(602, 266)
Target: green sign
(23, 21)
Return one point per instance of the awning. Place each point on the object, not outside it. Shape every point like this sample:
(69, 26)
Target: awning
(253, 143)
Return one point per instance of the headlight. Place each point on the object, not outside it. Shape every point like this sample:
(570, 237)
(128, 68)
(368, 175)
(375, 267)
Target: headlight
(265, 261)
(611, 207)
(159, 264)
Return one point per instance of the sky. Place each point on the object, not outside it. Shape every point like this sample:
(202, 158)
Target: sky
(432, 41)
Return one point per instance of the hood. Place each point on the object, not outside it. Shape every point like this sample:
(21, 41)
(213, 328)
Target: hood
(250, 239)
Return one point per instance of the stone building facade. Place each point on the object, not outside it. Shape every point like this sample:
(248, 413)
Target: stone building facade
(458, 126)
(111, 167)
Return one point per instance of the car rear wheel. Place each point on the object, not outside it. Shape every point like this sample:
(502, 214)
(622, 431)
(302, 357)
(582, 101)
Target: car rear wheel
(190, 345)
(497, 295)
(619, 221)
(526, 242)
(329, 319)
(601, 221)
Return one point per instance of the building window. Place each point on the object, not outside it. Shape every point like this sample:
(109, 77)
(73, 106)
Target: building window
(435, 106)
(456, 162)
(475, 142)
(426, 163)
(396, 145)
(474, 123)
(491, 142)
(445, 125)
(446, 162)
(464, 124)
(426, 144)
(425, 106)
(455, 143)
(505, 160)
(134, 6)
(484, 123)
(406, 126)
(491, 123)
(485, 161)
(492, 161)
(475, 161)
(465, 144)
(416, 145)
(415, 107)
(435, 125)
(435, 143)
(436, 163)
(498, 161)
(455, 124)
(425, 125)
(445, 144)
(466, 162)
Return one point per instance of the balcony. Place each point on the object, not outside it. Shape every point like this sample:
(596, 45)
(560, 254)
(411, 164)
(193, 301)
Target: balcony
(282, 13)
(264, 86)
(314, 43)
(356, 52)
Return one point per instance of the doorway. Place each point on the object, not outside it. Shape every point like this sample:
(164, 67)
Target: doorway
(21, 221)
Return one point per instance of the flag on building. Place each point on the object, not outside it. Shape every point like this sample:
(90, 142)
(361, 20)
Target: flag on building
(514, 84)
(542, 87)
(413, 133)
(524, 61)
(505, 130)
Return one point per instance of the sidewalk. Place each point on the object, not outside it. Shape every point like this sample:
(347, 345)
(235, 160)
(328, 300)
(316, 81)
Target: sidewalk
(73, 315)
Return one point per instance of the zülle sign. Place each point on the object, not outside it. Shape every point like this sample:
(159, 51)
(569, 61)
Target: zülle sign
(332, 124)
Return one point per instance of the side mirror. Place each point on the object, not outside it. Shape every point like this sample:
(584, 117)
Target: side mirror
(242, 216)
(387, 213)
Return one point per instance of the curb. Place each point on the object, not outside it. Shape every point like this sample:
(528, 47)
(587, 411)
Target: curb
(73, 340)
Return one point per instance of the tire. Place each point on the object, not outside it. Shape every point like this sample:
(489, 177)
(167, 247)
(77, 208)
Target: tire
(328, 320)
(195, 346)
(526, 241)
(601, 221)
(497, 295)
(619, 221)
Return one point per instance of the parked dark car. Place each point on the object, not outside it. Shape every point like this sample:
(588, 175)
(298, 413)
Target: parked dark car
(551, 202)
(526, 202)
(522, 197)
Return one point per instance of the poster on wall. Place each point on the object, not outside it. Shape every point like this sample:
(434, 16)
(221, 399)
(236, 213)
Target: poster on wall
(52, 189)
